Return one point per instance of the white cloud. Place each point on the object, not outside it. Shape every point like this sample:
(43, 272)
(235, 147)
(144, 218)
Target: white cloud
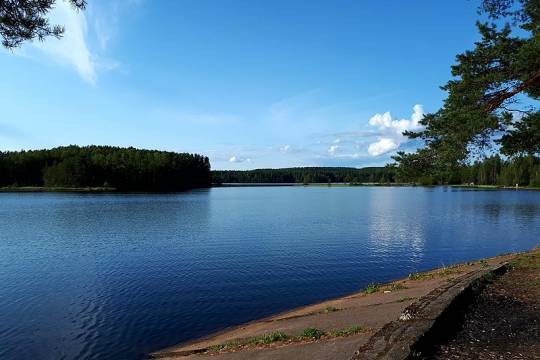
(72, 49)
(383, 146)
(285, 148)
(391, 131)
(238, 159)
(332, 149)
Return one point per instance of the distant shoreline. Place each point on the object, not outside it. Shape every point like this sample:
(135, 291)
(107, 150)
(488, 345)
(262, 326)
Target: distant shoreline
(38, 189)
(60, 189)
(19, 189)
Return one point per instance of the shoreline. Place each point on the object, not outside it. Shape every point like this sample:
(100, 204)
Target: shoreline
(112, 190)
(345, 323)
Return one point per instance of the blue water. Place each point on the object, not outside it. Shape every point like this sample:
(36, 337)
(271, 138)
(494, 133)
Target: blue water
(86, 276)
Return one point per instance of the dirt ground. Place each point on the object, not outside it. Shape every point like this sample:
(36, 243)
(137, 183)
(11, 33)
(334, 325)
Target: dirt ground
(504, 321)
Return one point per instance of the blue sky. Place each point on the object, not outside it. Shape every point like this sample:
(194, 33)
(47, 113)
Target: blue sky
(249, 83)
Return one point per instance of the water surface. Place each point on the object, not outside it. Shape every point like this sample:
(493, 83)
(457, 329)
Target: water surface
(101, 276)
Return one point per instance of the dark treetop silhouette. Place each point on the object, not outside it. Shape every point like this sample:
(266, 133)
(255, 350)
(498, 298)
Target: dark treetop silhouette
(22, 20)
(125, 169)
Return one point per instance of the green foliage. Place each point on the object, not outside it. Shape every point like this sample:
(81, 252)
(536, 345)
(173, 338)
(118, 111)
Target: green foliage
(330, 309)
(126, 169)
(371, 288)
(313, 333)
(270, 338)
(493, 170)
(406, 298)
(306, 175)
(397, 287)
(22, 20)
(347, 331)
(420, 276)
(310, 333)
(492, 98)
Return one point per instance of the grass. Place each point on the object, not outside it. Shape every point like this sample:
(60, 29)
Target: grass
(347, 331)
(259, 340)
(371, 288)
(536, 282)
(529, 262)
(420, 276)
(310, 334)
(484, 264)
(397, 287)
(448, 270)
(443, 271)
(225, 346)
(55, 189)
(269, 338)
(313, 333)
(330, 309)
(406, 298)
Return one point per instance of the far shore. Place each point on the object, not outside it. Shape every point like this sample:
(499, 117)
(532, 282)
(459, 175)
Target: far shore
(100, 189)
(55, 189)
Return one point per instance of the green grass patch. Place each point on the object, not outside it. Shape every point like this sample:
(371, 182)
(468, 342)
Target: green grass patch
(536, 282)
(330, 309)
(313, 333)
(225, 346)
(420, 276)
(347, 331)
(397, 287)
(269, 338)
(371, 288)
(484, 264)
(55, 189)
(448, 270)
(406, 298)
(310, 333)
(526, 262)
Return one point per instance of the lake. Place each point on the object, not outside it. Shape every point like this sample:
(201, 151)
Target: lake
(116, 276)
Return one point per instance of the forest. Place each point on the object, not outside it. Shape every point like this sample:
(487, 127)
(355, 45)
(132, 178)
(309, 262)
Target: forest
(306, 175)
(122, 169)
(493, 170)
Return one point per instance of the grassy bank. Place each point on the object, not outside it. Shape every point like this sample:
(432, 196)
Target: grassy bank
(496, 187)
(55, 189)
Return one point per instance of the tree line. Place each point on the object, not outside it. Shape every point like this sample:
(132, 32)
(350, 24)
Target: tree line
(124, 169)
(494, 170)
(306, 175)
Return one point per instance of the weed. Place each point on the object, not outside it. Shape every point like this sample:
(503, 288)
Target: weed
(279, 336)
(330, 309)
(371, 288)
(347, 332)
(420, 276)
(407, 298)
(225, 346)
(269, 338)
(396, 287)
(448, 270)
(313, 333)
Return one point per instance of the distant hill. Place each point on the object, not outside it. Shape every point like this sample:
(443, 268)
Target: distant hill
(305, 175)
